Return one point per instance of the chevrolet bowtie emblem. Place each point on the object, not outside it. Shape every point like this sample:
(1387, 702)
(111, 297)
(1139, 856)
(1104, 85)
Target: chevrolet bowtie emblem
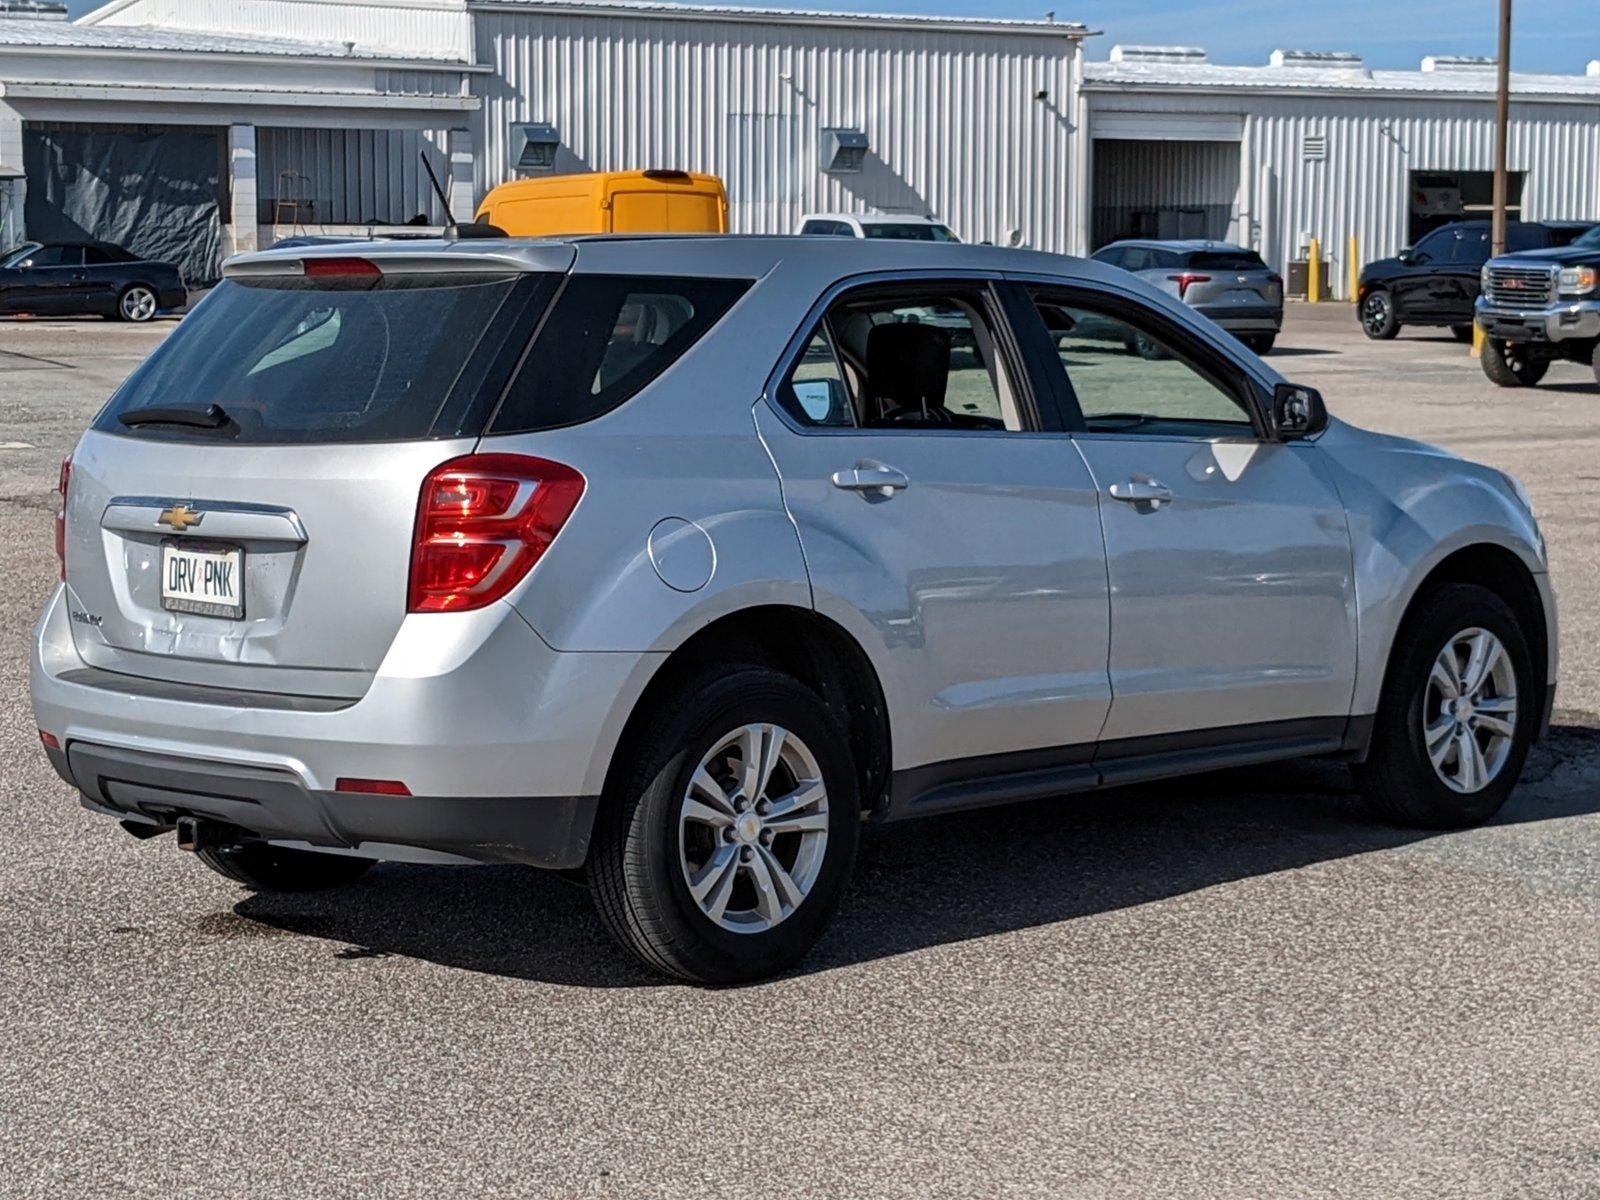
(180, 517)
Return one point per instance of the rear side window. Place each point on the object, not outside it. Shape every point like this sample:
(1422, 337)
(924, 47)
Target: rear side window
(296, 361)
(604, 340)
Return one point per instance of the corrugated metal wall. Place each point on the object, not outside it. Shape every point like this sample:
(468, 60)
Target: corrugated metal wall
(1164, 189)
(1360, 186)
(349, 176)
(955, 126)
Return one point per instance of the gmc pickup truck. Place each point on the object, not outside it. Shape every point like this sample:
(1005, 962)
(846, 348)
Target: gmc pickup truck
(1538, 306)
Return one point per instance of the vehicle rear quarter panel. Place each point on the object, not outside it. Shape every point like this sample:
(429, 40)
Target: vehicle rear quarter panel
(685, 447)
(1410, 508)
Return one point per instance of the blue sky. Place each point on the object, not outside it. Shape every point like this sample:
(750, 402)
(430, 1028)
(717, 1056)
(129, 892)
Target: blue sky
(1550, 35)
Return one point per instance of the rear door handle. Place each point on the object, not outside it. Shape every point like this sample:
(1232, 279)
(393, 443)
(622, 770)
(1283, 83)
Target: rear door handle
(1142, 491)
(876, 477)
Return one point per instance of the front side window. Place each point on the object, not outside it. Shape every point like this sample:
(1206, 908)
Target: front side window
(1132, 378)
(926, 358)
(58, 256)
(604, 340)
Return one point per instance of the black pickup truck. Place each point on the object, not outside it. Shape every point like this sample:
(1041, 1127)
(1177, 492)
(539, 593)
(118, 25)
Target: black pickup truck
(1539, 306)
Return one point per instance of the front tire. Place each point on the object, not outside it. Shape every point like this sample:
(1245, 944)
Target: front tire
(1509, 364)
(1378, 320)
(728, 835)
(262, 867)
(1261, 343)
(137, 304)
(1457, 713)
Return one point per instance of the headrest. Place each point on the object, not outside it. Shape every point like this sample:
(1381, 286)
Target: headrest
(908, 364)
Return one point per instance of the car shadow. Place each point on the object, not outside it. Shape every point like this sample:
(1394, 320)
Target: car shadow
(924, 883)
(1295, 352)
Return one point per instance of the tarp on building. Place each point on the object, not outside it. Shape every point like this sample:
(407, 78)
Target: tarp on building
(153, 191)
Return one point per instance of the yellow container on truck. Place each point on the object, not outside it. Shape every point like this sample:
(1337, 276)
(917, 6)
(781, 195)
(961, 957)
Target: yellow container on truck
(608, 202)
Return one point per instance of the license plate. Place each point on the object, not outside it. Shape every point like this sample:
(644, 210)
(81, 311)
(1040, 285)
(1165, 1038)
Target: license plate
(206, 580)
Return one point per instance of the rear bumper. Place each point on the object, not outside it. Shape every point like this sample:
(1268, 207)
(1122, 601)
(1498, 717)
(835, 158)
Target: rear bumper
(503, 742)
(1564, 321)
(275, 804)
(1240, 319)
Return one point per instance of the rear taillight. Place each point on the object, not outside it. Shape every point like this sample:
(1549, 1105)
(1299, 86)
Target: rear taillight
(483, 521)
(1183, 281)
(62, 486)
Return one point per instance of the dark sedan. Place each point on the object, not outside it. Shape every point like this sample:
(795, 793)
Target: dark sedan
(68, 278)
(1435, 282)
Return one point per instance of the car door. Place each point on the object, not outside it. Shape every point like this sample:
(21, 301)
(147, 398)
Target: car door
(1228, 553)
(944, 525)
(1413, 287)
(102, 280)
(45, 280)
(1458, 279)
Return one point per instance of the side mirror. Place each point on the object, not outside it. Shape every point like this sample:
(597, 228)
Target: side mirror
(1297, 412)
(1405, 254)
(25, 264)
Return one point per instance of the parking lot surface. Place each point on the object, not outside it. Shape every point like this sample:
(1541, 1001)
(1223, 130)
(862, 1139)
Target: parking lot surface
(1229, 986)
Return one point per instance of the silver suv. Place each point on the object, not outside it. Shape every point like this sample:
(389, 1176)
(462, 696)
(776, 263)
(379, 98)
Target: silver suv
(671, 560)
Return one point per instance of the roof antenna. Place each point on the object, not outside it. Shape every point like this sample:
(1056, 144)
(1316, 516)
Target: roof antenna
(452, 230)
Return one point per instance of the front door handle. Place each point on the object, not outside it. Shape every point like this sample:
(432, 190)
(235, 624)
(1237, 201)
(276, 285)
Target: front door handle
(1142, 491)
(874, 477)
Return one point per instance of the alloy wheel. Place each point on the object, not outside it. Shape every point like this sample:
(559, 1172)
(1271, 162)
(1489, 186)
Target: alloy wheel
(1469, 711)
(1375, 312)
(753, 828)
(138, 304)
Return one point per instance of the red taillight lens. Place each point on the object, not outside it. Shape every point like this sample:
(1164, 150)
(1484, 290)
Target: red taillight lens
(342, 268)
(482, 523)
(64, 483)
(372, 787)
(1183, 281)
(49, 740)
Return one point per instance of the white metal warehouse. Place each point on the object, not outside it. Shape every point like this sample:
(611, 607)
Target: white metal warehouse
(1316, 145)
(317, 111)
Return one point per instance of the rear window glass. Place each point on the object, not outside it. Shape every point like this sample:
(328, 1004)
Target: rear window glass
(605, 338)
(907, 233)
(1227, 260)
(293, 360)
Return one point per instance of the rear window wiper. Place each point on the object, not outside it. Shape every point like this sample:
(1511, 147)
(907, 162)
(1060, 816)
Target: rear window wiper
(212, 416)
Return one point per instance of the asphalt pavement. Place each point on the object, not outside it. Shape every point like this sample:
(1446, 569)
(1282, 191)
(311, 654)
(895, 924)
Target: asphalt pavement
(1229, 986)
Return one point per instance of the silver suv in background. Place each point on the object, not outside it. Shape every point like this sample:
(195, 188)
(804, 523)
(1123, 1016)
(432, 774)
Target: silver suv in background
(1228, 284)
(670, 560)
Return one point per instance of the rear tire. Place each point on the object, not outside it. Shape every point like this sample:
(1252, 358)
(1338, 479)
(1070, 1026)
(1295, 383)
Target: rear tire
(137, 303)
(266, 868)
(1148, 348)
(1462, 333)
(1405, 781)
(1261, 343)
(1378, 320)
(1509, 365)
(660, 827)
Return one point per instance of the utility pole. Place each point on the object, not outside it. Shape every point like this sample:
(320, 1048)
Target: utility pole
(1502, 125)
